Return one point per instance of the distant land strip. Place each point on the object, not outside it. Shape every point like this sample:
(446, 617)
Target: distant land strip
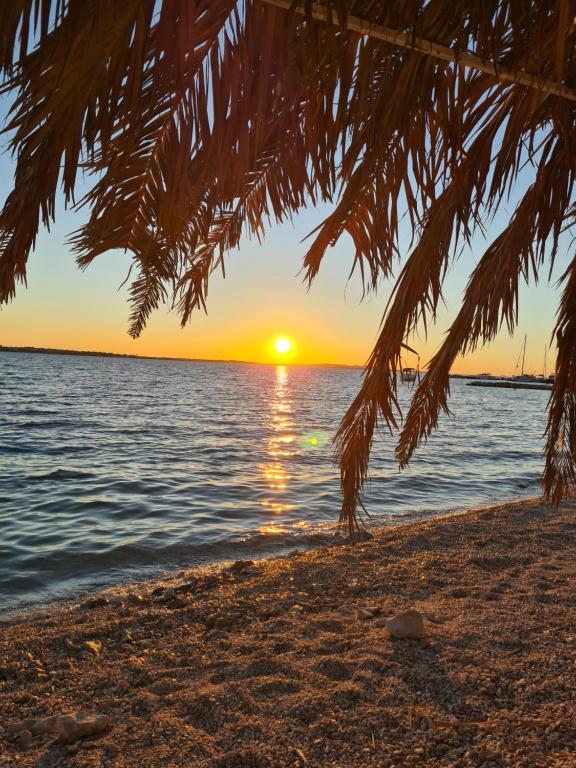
(84, 353)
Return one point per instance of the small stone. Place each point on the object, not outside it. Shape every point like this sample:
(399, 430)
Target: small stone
(458, 592)
(94, 602)
(188, 586)
(211, 581)
(110, 747)
(406, 625)
(24, 738)
(167, 597)
(163, 687)
(223, 622)
(135, 599)
(241, 565)
(94, 646)
(175, 603)
(75, 725)
(361, 535)
(116, 601)
(363, 614)
(8, 670)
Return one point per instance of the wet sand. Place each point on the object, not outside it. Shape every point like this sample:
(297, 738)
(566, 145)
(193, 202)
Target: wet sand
(287, 662)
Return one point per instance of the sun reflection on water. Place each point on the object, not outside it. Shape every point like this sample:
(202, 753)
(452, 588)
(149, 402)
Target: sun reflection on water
(282, 446)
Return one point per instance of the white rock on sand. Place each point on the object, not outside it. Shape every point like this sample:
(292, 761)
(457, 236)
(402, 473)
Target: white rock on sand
(69, 727)
(407, 625)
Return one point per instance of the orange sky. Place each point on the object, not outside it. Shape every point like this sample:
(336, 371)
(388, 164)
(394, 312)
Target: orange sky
(262, 297)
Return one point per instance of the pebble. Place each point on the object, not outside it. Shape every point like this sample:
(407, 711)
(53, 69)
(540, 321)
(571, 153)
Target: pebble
(135, 599)
(75, 725)
(361, 535)
(24, 738)
(406, 625)
(94, 602)
(175, 603)
(8, 670)
(94, 646)
(223, 622)
(241, 565)
(110, 747)
(69, 727)
(164, 687)
(458, 592)
(188, 586)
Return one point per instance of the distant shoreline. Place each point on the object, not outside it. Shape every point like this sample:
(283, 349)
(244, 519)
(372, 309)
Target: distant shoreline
(85, 353)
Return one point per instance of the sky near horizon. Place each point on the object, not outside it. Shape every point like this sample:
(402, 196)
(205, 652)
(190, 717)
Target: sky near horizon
(262, 297)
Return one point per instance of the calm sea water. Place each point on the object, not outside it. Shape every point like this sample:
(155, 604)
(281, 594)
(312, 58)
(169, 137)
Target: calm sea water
(116, 469)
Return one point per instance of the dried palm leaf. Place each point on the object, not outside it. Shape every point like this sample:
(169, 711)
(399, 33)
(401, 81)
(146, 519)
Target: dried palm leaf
(203, 121)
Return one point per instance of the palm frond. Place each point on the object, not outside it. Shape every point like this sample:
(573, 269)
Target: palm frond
(203, 121)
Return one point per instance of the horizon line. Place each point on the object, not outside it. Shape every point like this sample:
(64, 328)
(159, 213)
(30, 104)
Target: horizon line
(130, 356)
(127, 355)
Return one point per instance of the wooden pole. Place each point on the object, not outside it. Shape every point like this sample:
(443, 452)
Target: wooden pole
(443, 52)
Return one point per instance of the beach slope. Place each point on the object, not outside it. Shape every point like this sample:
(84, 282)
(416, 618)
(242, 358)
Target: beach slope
(288, 662)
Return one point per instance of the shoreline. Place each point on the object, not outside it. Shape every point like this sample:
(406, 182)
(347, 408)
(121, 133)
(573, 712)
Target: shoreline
(324, 538)
(131, 356)
(287, 661)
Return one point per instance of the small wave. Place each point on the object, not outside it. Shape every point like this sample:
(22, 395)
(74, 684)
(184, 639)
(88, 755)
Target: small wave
(61, 474)
(111, 481)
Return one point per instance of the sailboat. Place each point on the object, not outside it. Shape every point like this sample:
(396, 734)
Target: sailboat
(520, 380)
(529, 376)
(523, 376)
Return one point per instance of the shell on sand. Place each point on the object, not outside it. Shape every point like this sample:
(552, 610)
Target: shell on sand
(406, 625)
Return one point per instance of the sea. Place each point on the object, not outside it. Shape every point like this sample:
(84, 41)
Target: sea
(114, 470)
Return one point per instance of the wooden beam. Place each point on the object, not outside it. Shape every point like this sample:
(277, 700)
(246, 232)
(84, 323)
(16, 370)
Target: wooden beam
(438, 51)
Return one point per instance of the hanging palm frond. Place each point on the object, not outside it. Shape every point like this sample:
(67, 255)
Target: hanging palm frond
(205, 120)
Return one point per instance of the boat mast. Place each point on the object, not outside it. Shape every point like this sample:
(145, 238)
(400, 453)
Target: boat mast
(524, 354)
(544, 360)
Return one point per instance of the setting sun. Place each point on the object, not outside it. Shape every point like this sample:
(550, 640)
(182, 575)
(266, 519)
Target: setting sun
(282, 345)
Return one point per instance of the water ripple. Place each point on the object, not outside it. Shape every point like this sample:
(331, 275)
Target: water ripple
(117, 469)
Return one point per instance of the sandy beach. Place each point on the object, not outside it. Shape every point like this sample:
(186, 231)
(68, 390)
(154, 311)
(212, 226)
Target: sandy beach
(287, 662)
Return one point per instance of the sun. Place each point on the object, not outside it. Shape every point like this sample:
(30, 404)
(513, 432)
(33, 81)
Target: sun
(282, 345)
